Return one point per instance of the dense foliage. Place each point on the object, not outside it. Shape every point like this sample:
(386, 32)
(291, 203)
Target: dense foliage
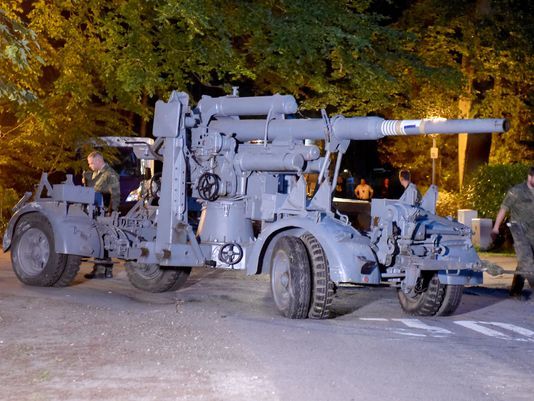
(448, 203)
(105, 62)
(18, 58)
(490, 45)
(488, 185)
(73, 69)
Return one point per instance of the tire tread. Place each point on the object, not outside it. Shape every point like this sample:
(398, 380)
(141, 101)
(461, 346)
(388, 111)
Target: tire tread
(322, 289)
(169, 279)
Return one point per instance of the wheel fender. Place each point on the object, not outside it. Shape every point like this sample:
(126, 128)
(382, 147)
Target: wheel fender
(349, 254)
(460, 277)
(73, 234)
(8, 234)
(467, 259)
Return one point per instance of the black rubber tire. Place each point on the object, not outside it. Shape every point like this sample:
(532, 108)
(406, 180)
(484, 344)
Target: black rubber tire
(153, 278)
(436, 300)
(322, 289)
(72, 267)
(33, 257)
(291, 278)
(428, 301)
(451, 300)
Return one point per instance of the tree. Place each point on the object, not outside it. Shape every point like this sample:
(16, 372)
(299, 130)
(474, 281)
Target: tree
(104, 63)
(20, 54)
(490, 45)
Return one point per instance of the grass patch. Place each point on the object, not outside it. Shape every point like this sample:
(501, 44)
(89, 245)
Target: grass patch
(494, 253)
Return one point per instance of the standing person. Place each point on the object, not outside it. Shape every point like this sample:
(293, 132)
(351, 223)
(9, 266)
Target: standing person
(350, 186)
(104, 180)
(411, 194)
(363, 191)
(385, 191)
(519, 202)
(340, 188)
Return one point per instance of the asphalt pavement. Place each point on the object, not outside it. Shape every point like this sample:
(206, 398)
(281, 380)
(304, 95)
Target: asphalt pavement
(221, 338)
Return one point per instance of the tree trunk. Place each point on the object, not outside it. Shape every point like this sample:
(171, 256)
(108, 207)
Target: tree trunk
(473, 150)
(143, 123)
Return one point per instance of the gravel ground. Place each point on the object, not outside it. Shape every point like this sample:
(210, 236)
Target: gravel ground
(220, 338)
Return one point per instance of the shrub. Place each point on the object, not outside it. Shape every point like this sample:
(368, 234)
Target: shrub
(448, 203)
(487, 186)
(8, 199)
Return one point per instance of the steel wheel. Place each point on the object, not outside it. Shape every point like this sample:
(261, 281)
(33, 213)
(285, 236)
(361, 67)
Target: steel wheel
(280, 280)
(291, 278)
(33, 256)
(33, 252)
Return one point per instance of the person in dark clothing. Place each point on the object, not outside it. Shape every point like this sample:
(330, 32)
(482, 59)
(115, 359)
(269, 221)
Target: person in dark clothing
(339, 191)
(519, 202)
(385, 191)
(411, 194)
(104, 180)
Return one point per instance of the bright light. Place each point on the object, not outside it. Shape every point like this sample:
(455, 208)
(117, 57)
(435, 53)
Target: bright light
(435, 119)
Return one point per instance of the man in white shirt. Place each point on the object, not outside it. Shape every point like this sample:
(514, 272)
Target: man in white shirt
(363, 191)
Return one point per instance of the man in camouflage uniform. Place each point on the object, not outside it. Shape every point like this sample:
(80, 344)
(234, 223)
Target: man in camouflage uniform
(104, 180)
(519, 202)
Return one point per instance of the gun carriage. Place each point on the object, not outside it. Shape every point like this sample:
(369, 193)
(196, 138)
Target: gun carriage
(246, 159)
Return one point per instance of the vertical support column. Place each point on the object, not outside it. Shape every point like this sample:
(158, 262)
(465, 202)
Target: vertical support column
(172, 211)
(169, 123)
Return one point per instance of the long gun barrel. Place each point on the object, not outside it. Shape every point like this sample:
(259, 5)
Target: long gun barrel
(342, 128)
(354, 128)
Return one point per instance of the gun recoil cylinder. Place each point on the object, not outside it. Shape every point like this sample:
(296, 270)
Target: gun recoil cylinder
(228, 106)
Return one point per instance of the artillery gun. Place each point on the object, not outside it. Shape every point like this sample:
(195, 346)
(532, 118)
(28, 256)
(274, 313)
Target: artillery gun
(245, 160)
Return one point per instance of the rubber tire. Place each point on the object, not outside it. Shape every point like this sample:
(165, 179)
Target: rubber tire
(59, 269)
(438, 299)
(290, 265)
(426, 303)
(322, 289)
(153, 278)
(451, 300)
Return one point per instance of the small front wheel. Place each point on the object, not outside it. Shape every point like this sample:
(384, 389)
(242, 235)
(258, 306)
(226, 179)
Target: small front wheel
(152, 277)
(291, 278)
(430, 297)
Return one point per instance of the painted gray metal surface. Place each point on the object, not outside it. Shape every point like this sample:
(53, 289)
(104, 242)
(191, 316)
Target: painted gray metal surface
(355, 128)
(249, 175)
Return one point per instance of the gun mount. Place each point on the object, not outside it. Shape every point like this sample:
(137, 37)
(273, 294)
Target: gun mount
(246, 160)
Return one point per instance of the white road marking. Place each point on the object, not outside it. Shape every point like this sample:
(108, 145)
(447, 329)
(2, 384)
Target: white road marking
(417, 324)
(514, 328)
(476, 326)
(480, 327)
(409, 333)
